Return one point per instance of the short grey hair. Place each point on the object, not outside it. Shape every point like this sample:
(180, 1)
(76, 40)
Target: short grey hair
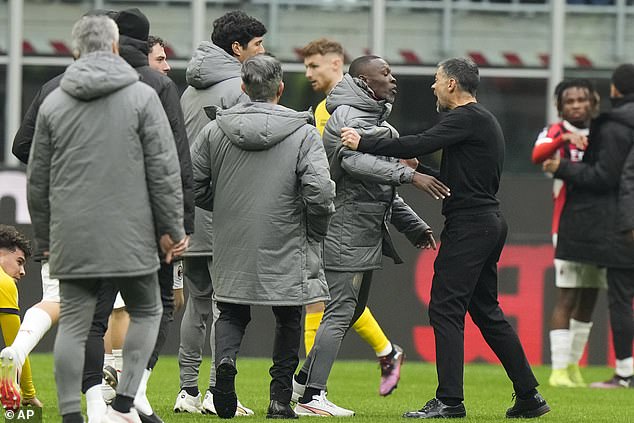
(94, 33)
(464, 71)
(261, 75)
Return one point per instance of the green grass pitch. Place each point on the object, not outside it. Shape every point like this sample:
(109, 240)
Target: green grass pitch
(354, 385)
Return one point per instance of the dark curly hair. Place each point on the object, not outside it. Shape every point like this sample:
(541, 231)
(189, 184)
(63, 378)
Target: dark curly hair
(153, 39)
(11, 239)
(583, 83)
(236, 26)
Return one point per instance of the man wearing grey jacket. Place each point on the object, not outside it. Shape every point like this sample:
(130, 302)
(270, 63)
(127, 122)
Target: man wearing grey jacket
(261, 168)
(104, 189)
(213, 75)
(358, 235)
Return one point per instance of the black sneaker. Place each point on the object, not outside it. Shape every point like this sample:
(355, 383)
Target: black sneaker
(280, 410)
(225, 398)
(534, 406)
(435, 409)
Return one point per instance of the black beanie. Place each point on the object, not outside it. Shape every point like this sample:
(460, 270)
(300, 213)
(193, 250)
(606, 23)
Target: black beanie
(133, 23)
(623, 78)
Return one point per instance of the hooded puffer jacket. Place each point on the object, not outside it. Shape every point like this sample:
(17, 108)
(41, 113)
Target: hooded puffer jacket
(262, 169)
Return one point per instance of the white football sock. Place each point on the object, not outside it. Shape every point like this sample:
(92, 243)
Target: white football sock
(108, 360)
(35, 325)
(118, 359)
(559, 348)
(579, 333)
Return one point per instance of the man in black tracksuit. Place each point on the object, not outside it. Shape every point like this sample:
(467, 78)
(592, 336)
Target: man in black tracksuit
(465, 270)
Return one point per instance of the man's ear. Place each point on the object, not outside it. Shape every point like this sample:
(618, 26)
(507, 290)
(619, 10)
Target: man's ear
(452, 85)
(337, 63)
(115, 47)
(243, 88)
(280, 89)
(236, 48)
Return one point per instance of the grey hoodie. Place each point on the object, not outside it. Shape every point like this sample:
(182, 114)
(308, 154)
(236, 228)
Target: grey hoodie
(103, 174)
(214, 80)
(262, 169)
(366, 194)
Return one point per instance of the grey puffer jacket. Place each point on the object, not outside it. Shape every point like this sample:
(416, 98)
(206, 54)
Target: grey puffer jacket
(262, 169)
(366, 194)
(214, 80)
(103, 174)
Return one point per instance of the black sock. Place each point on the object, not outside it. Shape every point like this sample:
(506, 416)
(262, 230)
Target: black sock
(301, 377)
(527, 395)
(73, 418)
(122, 403)
(451, 402)
(308, 395)
(192, 390)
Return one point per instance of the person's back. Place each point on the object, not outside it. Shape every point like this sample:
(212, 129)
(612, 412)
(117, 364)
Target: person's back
(261, 169)
(257, 151)
(102, 140)
(86, 191)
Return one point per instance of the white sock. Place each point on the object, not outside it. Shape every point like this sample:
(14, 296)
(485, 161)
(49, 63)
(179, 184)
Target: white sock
(625, 367)
(579, 333)
(108, 360)
(95, 406)
(118, 359)
(559, 348)
(141, 402)
(35, 325)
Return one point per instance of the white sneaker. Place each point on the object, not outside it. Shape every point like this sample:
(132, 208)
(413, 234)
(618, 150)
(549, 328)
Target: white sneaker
(209, 408)
(113, 416)
(186, 403)
(320, 406)
(298, 391)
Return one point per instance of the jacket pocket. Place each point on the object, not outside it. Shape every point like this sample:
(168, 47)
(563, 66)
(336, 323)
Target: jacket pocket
(363, 224)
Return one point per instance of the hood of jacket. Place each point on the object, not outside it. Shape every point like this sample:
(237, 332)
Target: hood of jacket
(623, 110)
(133, 51)
(355, 93)
(210, 65)
(259, 126)
(96, 75)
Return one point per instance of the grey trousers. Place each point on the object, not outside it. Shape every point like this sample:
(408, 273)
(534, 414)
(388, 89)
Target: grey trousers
(194, 324)
(348, 293)
(78, 298)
